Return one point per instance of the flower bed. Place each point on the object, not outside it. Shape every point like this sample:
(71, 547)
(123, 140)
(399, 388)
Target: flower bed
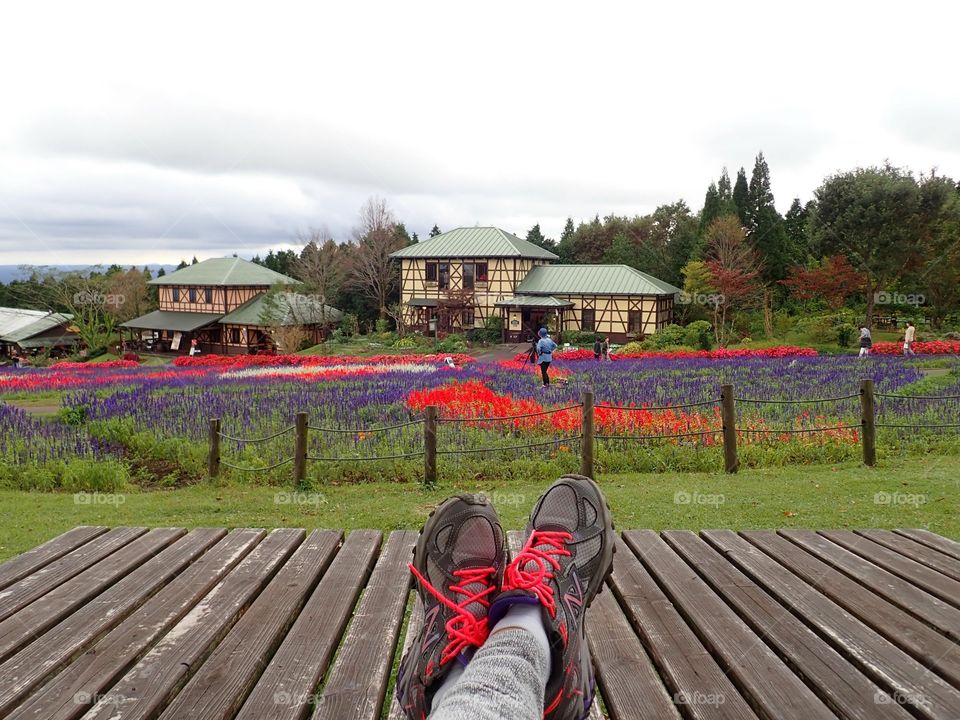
(931, 347)
(244, 361)
(718, 354)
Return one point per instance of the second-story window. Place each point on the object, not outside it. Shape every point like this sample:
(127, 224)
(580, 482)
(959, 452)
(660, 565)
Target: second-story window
(176, 295)
(481, 273)
(468, 275)
(443, 276)
(193, 295)
(208, 295)
(431, 272)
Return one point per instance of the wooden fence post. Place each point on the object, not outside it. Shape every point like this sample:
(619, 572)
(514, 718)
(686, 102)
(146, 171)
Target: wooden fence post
(868, 420)
(586, 443)
(728, 414)
(300, 451)
(430, 446)
(213, 457)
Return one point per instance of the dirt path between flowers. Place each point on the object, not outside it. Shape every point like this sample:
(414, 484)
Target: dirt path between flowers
(42, 409)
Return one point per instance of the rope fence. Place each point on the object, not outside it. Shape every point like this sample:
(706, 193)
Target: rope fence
(729, 431)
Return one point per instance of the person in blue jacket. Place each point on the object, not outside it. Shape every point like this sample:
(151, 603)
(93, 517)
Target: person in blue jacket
(545, 348)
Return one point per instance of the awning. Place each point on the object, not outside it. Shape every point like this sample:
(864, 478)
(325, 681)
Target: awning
(49, 342)
(422, 302)
(533, 301)
(168, 320)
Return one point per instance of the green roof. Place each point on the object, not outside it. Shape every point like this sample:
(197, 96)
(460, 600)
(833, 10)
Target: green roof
(224, 271)
(475, 242)
(592, 280)
(50, 342)
(537, 301)
(169, 320)
(36, 327)
(293, 308)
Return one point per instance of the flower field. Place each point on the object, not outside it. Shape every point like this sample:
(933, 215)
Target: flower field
(653, 412)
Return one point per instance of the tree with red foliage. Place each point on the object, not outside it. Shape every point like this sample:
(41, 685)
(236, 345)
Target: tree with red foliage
(734, 270)
(834, 281)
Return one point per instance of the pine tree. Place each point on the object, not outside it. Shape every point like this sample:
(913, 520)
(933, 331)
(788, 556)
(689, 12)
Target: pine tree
(414, 239)
(711, 208)
(194, 261)
(724, 187)
(182, 265)
(161, 272)
(741, 195)
(435, 231)
(768, 236)
(568, 231)
(535, 236)
(795, 224)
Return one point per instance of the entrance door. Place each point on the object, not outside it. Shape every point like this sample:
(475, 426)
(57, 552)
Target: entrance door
(532, 320)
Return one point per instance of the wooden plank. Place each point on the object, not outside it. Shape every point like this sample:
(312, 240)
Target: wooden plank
(631, 687)
(915, 551)
(43, 613)
(910, 634)
(357, 682)
(922, 605)
(937, 542)
(70, 694)
(413, 628)
(891, 668)
(841, 686)
(222, 683)
(25, 591)
(757, 671)
(148, 687)
(22, 565)
(930, 580)
(687, 668)
(286, 688)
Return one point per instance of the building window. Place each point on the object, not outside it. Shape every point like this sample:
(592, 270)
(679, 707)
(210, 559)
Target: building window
(635, 322)
(481, 273)
(468, 270)
(193, 295)
(469, 319)
(588, 320)
(234, 336)
(443, 276)
(431, 272)
(176, 295)
(208, 295)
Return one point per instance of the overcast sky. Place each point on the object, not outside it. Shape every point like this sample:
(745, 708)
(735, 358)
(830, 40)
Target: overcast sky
(131, 135)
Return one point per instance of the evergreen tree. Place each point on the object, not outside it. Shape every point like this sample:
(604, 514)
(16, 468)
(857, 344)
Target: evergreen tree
(403, 235)
(535, 236)
(723, 186)
(568, 231)
(434, 231)
(711, 208)
(414, 238)
(741, 195)
(565, 248)
(182, 265)
(195, 261)
(621, 252)
(768, 236)
(795, 225)
(161, 272)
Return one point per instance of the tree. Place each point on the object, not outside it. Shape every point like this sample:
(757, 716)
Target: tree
(734, 269)
(795, 224)
(724, 188)
(768, 237)
(874, 217)
(697, 285)
(414, 239)
(434, 231)
(182, 265)
(741, 195)
(938, 271)
(194, 261)
(320, 266)
(129, 295)
(535, 236)
(371, 270)
(711, 208)
(565, 248)
(622, 252)
(285, 314)
(833, 281)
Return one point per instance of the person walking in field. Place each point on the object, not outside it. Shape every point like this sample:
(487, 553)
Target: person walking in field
(605, 349)
(597, 349)
(866, 341)
(506, 639)
(909, 337)
(545, 348)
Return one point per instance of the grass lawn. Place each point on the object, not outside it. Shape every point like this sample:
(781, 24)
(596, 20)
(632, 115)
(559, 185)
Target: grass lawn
(923, 492)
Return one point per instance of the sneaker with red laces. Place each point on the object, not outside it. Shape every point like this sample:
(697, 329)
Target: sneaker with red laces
(458, 563)
(567, 555)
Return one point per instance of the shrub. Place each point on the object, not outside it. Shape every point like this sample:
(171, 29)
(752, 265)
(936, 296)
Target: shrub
(699, 335)
(453, 343)
(405, 343)
(845, 333)
(581, 339)
(670, 335)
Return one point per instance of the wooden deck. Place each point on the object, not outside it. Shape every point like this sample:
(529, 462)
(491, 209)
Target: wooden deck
(133, 623)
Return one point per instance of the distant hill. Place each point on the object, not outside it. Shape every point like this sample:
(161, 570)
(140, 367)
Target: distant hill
(14, 272)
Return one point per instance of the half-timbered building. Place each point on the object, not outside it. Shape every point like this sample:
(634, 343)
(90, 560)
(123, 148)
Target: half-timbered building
(456, 280)
(219, 302)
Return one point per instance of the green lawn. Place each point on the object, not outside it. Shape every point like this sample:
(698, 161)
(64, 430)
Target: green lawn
(922, 492)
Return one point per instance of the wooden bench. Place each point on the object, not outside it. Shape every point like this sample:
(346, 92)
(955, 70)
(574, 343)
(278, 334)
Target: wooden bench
(130, 623)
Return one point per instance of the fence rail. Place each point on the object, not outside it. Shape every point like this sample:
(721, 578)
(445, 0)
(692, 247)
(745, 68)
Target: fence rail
(587, 437)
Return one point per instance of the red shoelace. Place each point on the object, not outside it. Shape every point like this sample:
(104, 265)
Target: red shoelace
(463, 629)
(540, 548)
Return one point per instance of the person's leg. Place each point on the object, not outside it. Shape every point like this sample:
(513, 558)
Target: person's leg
(543, 372)
(507, 677)
(458, 563)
